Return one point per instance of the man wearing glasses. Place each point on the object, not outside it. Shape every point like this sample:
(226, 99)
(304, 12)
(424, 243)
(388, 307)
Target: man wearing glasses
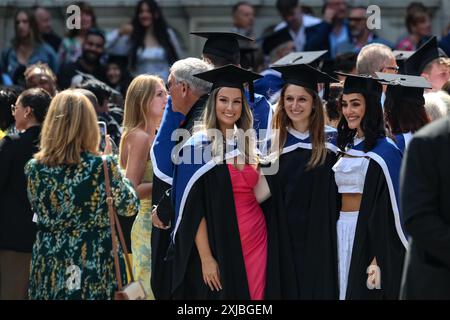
(376, 57)
(361, 35)
(184, 106)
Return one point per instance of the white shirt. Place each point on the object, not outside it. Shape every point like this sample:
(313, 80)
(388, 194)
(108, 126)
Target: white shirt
(300, 36)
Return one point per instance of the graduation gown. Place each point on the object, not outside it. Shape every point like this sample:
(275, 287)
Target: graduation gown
(205, 190)
(380, 229)
(311, 209)
(262, 117)
(161, 269)
(426, 207)
(402, 140)
(270, 84)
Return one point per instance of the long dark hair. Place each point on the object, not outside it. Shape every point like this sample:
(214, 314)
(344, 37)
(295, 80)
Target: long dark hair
(8, 97)
(34, 33)
(372, 124)
(404, 115)
(159, 31)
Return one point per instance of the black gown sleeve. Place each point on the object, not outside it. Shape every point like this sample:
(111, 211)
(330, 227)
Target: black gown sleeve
(307, 214)
(281, 281)
(320, 280)
(6, 159)
(187, 273)
(385, 242)
(214, 201)
(161, 276)
(376, 236)
(420, 200)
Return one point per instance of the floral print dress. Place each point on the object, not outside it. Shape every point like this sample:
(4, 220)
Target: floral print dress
(141, 235)
(72, 255)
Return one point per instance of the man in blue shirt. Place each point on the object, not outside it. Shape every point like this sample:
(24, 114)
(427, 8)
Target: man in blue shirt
(334, 31)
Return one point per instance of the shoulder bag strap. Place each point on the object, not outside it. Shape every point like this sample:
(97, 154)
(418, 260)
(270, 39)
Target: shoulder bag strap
(114, 223)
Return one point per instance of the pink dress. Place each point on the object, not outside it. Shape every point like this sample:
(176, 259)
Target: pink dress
(252, 228)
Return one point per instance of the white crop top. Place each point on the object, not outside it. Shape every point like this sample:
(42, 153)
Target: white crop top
(350, 174)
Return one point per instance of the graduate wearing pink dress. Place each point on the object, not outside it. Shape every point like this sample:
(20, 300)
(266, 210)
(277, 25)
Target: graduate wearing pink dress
(224, 244)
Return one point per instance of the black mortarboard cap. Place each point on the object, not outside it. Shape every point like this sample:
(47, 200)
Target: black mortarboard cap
(361, 83)
(247, 50)
(248, 56)
(401, 56)
(222, 44)
(304, 57)
(303, 75)
(276, 39)
(404, 87)
(230, 76)
(417, 62)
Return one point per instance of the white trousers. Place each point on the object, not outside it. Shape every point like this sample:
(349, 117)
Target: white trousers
(346, 228)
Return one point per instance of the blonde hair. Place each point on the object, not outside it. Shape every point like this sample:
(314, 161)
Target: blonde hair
(435, 106)
(141, 90)
(281, 123)
(39, 68)
(245, 123)
(69, 129)
(441, 61)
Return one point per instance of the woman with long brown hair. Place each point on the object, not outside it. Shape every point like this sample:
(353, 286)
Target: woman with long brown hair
(306, 153)
(27, 47)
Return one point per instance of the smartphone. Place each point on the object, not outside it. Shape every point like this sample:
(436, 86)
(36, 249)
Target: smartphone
(102, 126)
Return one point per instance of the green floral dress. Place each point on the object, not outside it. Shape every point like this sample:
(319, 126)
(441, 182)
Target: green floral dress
(72, 255)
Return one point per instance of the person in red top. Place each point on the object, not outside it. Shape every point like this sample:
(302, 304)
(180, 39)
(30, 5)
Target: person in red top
(418, 23)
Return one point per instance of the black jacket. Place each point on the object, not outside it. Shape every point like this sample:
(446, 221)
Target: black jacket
(69, 70)
(17, 231)
(318, 38)
(425, 187)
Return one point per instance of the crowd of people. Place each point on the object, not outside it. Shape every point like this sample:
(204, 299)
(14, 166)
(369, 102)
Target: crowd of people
(308, 164)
